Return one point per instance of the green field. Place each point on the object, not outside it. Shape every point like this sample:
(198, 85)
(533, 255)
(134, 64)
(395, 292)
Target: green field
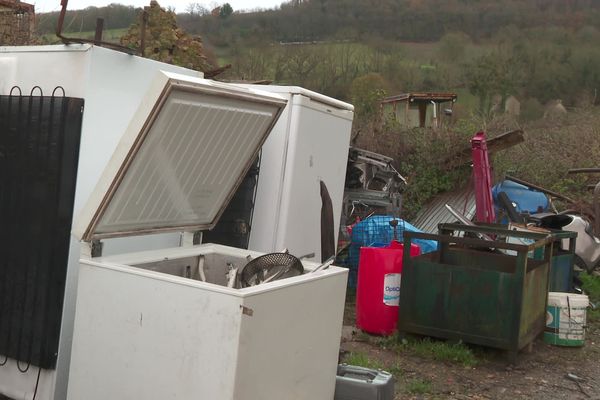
(109, 35)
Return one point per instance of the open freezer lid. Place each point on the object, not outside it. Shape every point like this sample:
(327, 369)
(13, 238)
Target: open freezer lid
(181, 159)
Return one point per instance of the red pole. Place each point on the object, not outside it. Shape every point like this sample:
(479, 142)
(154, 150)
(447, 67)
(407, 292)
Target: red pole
(483, 179)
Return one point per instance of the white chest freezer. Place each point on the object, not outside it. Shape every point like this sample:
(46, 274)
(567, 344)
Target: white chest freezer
(163, 324)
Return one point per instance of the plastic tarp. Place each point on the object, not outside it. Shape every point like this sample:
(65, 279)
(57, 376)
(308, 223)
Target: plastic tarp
(376, 231)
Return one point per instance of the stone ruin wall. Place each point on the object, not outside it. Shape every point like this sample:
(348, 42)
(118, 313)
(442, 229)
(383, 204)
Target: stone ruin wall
(16, 27)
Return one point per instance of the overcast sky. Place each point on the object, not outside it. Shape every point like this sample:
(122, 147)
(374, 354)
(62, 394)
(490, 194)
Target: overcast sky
(179, 5)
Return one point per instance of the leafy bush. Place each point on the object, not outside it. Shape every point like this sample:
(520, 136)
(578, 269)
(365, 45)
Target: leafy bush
(366, 92)
(591, 286)
(551, 148)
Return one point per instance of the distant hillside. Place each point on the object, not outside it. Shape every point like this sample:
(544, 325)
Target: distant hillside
(536, 50)
(317, 20)
(407, 20)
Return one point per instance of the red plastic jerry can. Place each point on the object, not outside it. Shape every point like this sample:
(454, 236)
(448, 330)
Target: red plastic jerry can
(378, 288)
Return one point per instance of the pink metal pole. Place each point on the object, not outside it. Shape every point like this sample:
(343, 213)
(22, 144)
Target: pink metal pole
(483, 179)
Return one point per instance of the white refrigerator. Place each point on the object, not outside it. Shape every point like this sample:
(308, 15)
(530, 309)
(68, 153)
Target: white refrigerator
(302, 168)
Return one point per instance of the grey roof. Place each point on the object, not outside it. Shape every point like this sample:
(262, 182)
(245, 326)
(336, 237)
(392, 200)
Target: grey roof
(435, 212)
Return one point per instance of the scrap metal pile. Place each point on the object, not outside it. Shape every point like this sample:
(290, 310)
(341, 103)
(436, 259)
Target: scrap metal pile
(493, 261)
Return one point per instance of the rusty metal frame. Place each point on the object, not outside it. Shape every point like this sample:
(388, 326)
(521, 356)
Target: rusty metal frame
(68, 40)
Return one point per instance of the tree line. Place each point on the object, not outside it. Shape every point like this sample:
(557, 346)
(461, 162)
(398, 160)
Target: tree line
(314, 20)
(407, 20)
(116, 16)
(538, 50)
(535, 65)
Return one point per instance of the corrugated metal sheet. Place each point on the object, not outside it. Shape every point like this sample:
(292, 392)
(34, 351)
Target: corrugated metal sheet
(435, 212)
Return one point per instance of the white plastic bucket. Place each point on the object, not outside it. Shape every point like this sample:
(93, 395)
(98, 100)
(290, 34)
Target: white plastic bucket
(566, 319)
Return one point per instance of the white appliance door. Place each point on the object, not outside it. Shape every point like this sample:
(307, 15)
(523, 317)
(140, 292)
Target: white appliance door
(181, 159)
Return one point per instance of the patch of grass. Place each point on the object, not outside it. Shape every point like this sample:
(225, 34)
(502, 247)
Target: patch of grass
(395, 370)
(108, 35)
(591, 286)
(418, 386)
(458, 353)
(362, 360)
(386, 342)
(441, 351)
(363, 337)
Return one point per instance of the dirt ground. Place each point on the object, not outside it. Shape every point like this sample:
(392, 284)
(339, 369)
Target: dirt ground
(541, 374)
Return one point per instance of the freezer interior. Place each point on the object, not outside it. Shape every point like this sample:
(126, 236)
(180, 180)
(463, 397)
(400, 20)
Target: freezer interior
(215, 267)
(208, 266)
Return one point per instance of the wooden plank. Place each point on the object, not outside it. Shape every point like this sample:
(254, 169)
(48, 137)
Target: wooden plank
(498, 143)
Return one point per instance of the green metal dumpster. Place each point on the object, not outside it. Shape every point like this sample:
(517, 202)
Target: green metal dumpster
(475, 290)
(563, 257)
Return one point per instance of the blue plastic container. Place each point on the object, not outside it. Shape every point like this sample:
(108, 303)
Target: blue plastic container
(376, 231)
(526, 200)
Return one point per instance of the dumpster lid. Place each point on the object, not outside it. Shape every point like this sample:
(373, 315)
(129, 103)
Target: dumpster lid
(185, 152)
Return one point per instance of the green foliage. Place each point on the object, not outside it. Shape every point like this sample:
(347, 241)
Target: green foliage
(338, 41)
(457, 353)
(588, 34)
(407, 20)
(452, 47)
(551, 148)
(362, 360)
(165, 41)
(116, 16)
(418, 386)
(395, 369)
(591, 286)
(441, 351)
(423, 163)
(108, 35)
(531, 109)
(425, 181)
(328, 68)
(493, 74)
(366, 92)
(544, 64)
(225, 11)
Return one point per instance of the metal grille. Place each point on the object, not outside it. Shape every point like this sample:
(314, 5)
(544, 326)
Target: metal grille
(39, 149)
(234, 226)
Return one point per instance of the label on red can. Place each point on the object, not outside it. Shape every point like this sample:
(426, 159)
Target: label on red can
(391, 289)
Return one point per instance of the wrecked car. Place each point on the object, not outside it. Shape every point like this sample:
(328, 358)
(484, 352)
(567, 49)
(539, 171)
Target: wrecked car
(372, 185)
